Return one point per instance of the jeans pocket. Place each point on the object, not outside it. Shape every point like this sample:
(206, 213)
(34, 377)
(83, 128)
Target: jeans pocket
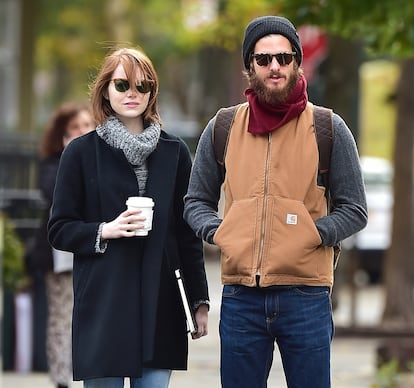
(311, 290)
(231, 290)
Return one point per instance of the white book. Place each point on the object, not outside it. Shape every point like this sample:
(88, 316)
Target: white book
(191, 324)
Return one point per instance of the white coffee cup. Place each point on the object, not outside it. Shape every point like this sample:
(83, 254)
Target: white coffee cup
(146, 205)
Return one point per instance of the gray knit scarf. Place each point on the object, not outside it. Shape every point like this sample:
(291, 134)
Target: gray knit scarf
(136, 147)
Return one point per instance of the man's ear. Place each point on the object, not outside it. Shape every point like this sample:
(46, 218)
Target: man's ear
(251, 64)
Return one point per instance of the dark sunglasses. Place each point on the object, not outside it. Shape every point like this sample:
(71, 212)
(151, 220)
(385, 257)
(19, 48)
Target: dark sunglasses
(122, 85)
(282, 58)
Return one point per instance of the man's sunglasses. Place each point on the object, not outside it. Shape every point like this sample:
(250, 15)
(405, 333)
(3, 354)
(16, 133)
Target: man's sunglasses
(282, 58)
(122, 85)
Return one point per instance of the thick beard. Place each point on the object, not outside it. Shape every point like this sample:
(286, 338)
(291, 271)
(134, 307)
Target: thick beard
(270, 96)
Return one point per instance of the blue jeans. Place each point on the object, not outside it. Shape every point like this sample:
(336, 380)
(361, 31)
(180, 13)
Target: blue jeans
(297, 318)
(151, 378)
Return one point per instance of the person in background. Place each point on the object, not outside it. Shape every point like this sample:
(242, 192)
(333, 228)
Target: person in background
(276, 236)
(69, 121)
(128, 318)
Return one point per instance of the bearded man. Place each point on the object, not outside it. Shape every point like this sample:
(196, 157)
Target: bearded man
(276, 236)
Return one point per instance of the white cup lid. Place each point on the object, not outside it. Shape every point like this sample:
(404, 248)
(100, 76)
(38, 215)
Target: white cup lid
(139, 201)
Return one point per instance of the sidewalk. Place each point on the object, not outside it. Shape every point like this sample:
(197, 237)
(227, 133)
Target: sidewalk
(353, 359)
(352, 366)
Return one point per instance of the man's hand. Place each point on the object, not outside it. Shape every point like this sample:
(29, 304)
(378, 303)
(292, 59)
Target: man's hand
(201, 317)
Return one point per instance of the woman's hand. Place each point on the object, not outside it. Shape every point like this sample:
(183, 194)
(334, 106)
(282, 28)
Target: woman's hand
(201, 317)
(124, 225)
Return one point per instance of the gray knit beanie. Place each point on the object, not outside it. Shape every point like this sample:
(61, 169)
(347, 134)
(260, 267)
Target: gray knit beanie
(266, 25)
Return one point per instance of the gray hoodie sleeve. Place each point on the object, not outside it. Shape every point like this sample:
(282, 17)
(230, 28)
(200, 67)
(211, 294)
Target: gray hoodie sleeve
(201, 201)
(347, 189)
(346, 186)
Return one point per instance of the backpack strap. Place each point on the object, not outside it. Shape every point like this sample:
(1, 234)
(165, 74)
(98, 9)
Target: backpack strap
(324, 132)
(322, 120)
(221, 130)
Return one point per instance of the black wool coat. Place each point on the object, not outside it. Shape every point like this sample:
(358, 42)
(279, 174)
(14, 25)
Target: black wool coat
(127, 312)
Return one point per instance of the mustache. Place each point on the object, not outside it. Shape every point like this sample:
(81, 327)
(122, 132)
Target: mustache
(276, 74)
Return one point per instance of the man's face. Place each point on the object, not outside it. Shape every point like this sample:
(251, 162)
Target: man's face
(274, 82)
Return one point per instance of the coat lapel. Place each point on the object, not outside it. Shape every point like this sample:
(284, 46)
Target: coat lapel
(162, 170)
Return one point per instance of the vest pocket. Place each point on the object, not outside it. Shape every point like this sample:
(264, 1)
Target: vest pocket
(293, 240)
(237, 237)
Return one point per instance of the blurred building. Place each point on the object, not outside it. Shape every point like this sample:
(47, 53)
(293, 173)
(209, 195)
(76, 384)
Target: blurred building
(9, 63)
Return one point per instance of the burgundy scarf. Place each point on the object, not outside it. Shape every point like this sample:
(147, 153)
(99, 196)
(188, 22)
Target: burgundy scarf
(265, 118)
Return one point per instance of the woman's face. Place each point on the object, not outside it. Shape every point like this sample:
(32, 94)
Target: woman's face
(129, 105)
(85, 121)
(77, 126)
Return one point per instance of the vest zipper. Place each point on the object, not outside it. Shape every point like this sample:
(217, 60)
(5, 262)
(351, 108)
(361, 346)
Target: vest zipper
(265, 190)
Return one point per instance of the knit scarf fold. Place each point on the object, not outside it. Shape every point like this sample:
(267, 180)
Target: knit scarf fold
(265, 118)
(136, 147)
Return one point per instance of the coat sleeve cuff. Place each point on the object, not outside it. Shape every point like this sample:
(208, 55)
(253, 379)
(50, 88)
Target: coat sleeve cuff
(100, 245)
(197, 304)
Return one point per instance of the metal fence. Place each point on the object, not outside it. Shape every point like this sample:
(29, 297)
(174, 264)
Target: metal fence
(20, 198)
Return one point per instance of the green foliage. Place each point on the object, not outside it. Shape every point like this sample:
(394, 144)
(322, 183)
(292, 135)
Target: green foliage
(410, 366)
(384, 26)
(13, 257)
(74, 36)
(68, 47)
(228, 28)
(378, 80)
(387, 376)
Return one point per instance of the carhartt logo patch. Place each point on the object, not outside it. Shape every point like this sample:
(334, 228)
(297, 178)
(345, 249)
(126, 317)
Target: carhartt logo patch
(292, 219)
